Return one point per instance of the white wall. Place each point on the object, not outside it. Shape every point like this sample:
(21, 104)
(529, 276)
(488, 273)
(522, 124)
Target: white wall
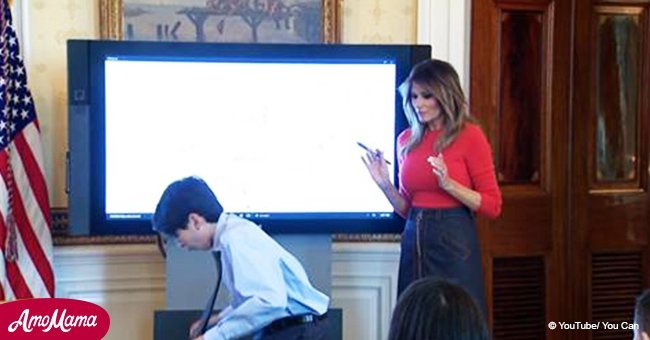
(445, 25)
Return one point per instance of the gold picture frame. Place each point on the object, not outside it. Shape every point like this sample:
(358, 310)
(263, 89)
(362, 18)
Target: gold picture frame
(112, 19)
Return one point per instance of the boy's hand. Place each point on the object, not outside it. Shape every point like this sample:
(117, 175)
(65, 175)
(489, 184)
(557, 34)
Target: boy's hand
(194, 329)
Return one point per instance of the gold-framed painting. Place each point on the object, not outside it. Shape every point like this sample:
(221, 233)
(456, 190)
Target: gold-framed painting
(244, 21)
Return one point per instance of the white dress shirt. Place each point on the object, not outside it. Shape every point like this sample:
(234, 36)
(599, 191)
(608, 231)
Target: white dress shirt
(265, 281)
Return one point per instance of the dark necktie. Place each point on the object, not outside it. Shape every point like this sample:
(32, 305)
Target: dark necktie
(207, 312)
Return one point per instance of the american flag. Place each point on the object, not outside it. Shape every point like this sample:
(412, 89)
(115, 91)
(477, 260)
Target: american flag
(25, 238)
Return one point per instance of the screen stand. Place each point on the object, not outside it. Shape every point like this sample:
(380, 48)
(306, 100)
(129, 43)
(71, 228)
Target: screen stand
(191, 276)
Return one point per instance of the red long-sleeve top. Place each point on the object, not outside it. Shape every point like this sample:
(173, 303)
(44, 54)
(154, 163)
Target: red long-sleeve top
(469, 162)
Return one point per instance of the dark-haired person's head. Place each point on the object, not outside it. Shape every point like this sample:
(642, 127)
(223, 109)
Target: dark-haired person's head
(435, 79)
(187, 206)
(443, 83)
(642, 316)
(435, 309)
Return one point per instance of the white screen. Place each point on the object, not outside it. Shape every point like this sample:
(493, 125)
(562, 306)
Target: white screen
(266, 137)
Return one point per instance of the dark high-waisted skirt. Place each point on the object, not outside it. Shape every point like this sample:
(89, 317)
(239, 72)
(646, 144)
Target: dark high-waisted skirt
(442, 243)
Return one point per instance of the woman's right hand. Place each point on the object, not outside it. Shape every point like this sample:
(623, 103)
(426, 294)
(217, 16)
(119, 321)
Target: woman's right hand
(377, 168)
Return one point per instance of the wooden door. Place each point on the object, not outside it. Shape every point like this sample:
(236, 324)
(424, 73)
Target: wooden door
(609, 200)
(563, 90)
(520, 67)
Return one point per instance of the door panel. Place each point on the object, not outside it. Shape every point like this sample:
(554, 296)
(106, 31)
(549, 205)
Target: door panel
(519, 92)
(610, 201)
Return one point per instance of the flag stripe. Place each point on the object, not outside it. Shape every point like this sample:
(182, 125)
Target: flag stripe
(15, 278)
(30, 272)
(7, 292)
(28, 174)
(28, 260)
(29, 239)
(17, 282)
(4, 285)
(39, 258)
(22, 201)
(4, 194)
(33, 169)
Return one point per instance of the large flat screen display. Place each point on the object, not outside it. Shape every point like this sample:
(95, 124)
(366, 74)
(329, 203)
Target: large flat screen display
(273, 129)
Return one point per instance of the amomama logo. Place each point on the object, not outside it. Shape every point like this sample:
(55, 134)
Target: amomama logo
(54, 318)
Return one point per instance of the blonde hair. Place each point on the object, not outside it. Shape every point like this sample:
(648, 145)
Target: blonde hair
(441, 79)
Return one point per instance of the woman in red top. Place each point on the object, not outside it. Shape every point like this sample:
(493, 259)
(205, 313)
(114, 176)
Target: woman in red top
(446, 173)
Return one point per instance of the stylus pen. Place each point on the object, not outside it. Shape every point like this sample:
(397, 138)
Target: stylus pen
(372, 152)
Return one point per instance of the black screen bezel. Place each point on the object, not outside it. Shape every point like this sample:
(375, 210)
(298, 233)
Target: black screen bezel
(403, 55)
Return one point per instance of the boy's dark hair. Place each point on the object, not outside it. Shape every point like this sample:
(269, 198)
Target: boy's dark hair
(642, 311)
(182, 197)
(432, 308)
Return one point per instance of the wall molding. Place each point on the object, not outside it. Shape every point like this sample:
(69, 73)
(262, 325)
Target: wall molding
(127, 280)
(364, 285)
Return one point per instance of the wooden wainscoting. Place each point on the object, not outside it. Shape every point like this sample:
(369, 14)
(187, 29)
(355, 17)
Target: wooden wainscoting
(364, 286)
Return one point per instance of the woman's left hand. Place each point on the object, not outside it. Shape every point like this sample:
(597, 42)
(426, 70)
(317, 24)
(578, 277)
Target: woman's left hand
(440, 170)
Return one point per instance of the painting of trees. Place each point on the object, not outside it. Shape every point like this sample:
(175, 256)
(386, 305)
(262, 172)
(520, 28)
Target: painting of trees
(226, 21)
